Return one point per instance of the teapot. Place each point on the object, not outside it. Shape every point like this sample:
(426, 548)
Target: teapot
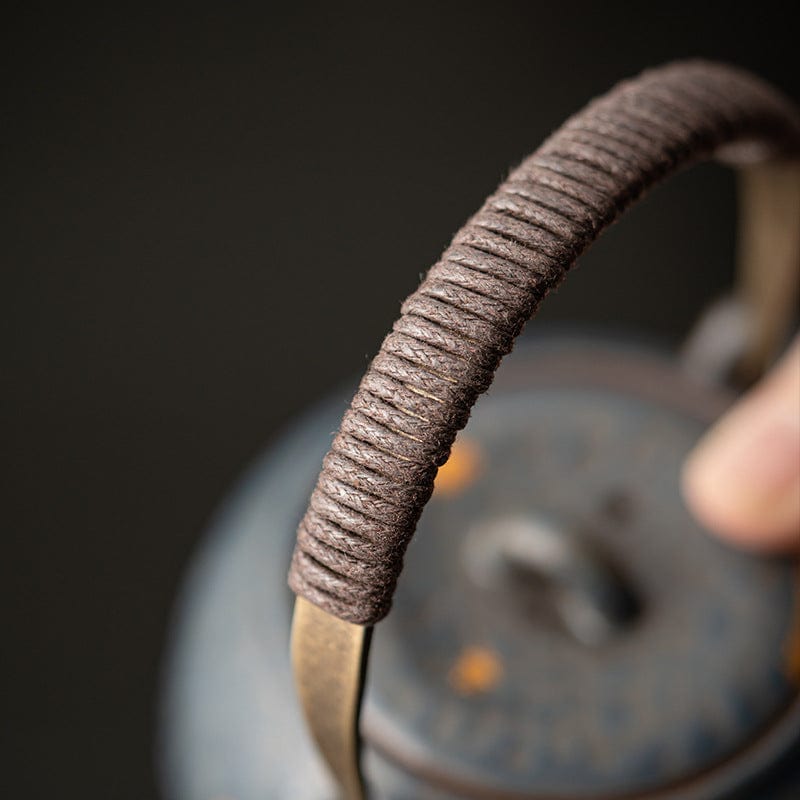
(563, 627)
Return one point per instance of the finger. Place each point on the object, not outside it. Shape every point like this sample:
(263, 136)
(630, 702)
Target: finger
(743, 478)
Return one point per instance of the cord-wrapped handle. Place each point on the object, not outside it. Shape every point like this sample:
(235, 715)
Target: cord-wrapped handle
(454, 330)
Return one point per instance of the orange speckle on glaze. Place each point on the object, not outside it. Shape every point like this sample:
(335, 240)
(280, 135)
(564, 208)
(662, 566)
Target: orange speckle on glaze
(460, 470)
(476, 670)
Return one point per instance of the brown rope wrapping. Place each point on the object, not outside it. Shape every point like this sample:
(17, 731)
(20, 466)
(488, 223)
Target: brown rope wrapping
(453, 331)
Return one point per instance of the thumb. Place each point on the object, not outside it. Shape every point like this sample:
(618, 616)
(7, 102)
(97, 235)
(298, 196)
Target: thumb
(743, 478)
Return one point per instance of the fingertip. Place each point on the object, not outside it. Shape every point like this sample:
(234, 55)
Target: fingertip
(742, 481)
(748, 526)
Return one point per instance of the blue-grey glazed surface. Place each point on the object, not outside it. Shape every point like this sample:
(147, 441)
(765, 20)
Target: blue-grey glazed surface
(694, 678)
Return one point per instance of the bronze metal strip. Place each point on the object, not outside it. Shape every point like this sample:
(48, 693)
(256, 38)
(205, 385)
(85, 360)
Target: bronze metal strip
(769, 259)
(329, 660)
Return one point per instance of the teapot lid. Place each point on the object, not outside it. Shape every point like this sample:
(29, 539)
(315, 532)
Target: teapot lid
(590, 639)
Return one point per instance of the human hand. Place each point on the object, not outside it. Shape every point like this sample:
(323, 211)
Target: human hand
(743, 479)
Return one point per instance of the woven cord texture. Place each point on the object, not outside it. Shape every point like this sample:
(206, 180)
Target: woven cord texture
(453, 331)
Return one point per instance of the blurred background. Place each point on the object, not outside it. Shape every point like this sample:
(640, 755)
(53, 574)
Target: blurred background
(209, 221)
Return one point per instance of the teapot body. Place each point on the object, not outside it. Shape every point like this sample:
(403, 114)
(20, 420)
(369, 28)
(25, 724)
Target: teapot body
(653, 663)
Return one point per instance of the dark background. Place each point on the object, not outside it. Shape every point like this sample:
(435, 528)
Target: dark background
(209, 219)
